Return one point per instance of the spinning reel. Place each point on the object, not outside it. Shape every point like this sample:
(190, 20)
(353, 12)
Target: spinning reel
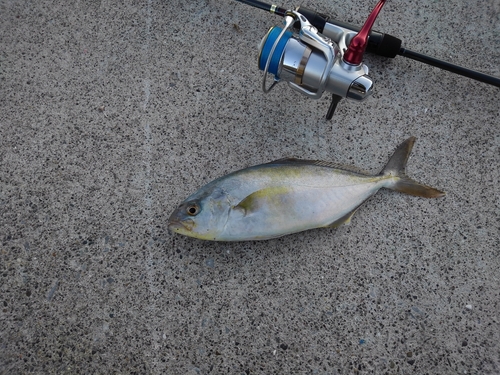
(315, 54)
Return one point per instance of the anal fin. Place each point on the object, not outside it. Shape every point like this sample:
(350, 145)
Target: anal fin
(346, 219)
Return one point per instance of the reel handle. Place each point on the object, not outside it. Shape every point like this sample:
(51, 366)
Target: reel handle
(380, 44)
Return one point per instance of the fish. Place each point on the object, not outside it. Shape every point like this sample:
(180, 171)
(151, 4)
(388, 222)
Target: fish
(288, 196)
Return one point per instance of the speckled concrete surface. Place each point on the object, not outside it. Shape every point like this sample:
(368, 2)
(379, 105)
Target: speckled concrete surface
(111, 114)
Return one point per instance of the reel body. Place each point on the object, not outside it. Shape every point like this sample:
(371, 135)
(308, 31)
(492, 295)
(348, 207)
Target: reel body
(312, 63)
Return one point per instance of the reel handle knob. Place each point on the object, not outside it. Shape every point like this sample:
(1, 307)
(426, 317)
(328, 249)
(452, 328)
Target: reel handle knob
(357, 47)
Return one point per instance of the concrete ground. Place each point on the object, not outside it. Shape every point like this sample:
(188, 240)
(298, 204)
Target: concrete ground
(111, 114)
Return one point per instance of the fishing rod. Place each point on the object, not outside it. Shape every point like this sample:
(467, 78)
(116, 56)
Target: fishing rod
(327, 54)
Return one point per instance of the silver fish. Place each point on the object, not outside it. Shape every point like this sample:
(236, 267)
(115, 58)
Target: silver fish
(287, 196)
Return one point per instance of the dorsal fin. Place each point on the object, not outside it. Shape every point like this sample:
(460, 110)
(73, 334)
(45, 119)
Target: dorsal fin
(320, 163)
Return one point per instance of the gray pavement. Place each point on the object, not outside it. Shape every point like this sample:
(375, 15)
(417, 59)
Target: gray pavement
(111, 114)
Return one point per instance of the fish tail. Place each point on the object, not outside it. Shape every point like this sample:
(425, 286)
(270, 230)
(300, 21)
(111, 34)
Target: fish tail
(396, 167)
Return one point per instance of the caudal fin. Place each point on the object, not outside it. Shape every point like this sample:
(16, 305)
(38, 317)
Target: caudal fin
(396, 167)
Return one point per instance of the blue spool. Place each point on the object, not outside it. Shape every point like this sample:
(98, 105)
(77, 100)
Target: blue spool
(268, 45)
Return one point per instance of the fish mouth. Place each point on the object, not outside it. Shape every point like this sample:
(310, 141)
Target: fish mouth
(176, 225)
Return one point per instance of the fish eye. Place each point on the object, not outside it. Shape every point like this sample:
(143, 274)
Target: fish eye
(192, 209)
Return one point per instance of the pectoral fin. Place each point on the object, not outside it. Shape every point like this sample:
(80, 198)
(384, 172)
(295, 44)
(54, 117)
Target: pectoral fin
(269, 197)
